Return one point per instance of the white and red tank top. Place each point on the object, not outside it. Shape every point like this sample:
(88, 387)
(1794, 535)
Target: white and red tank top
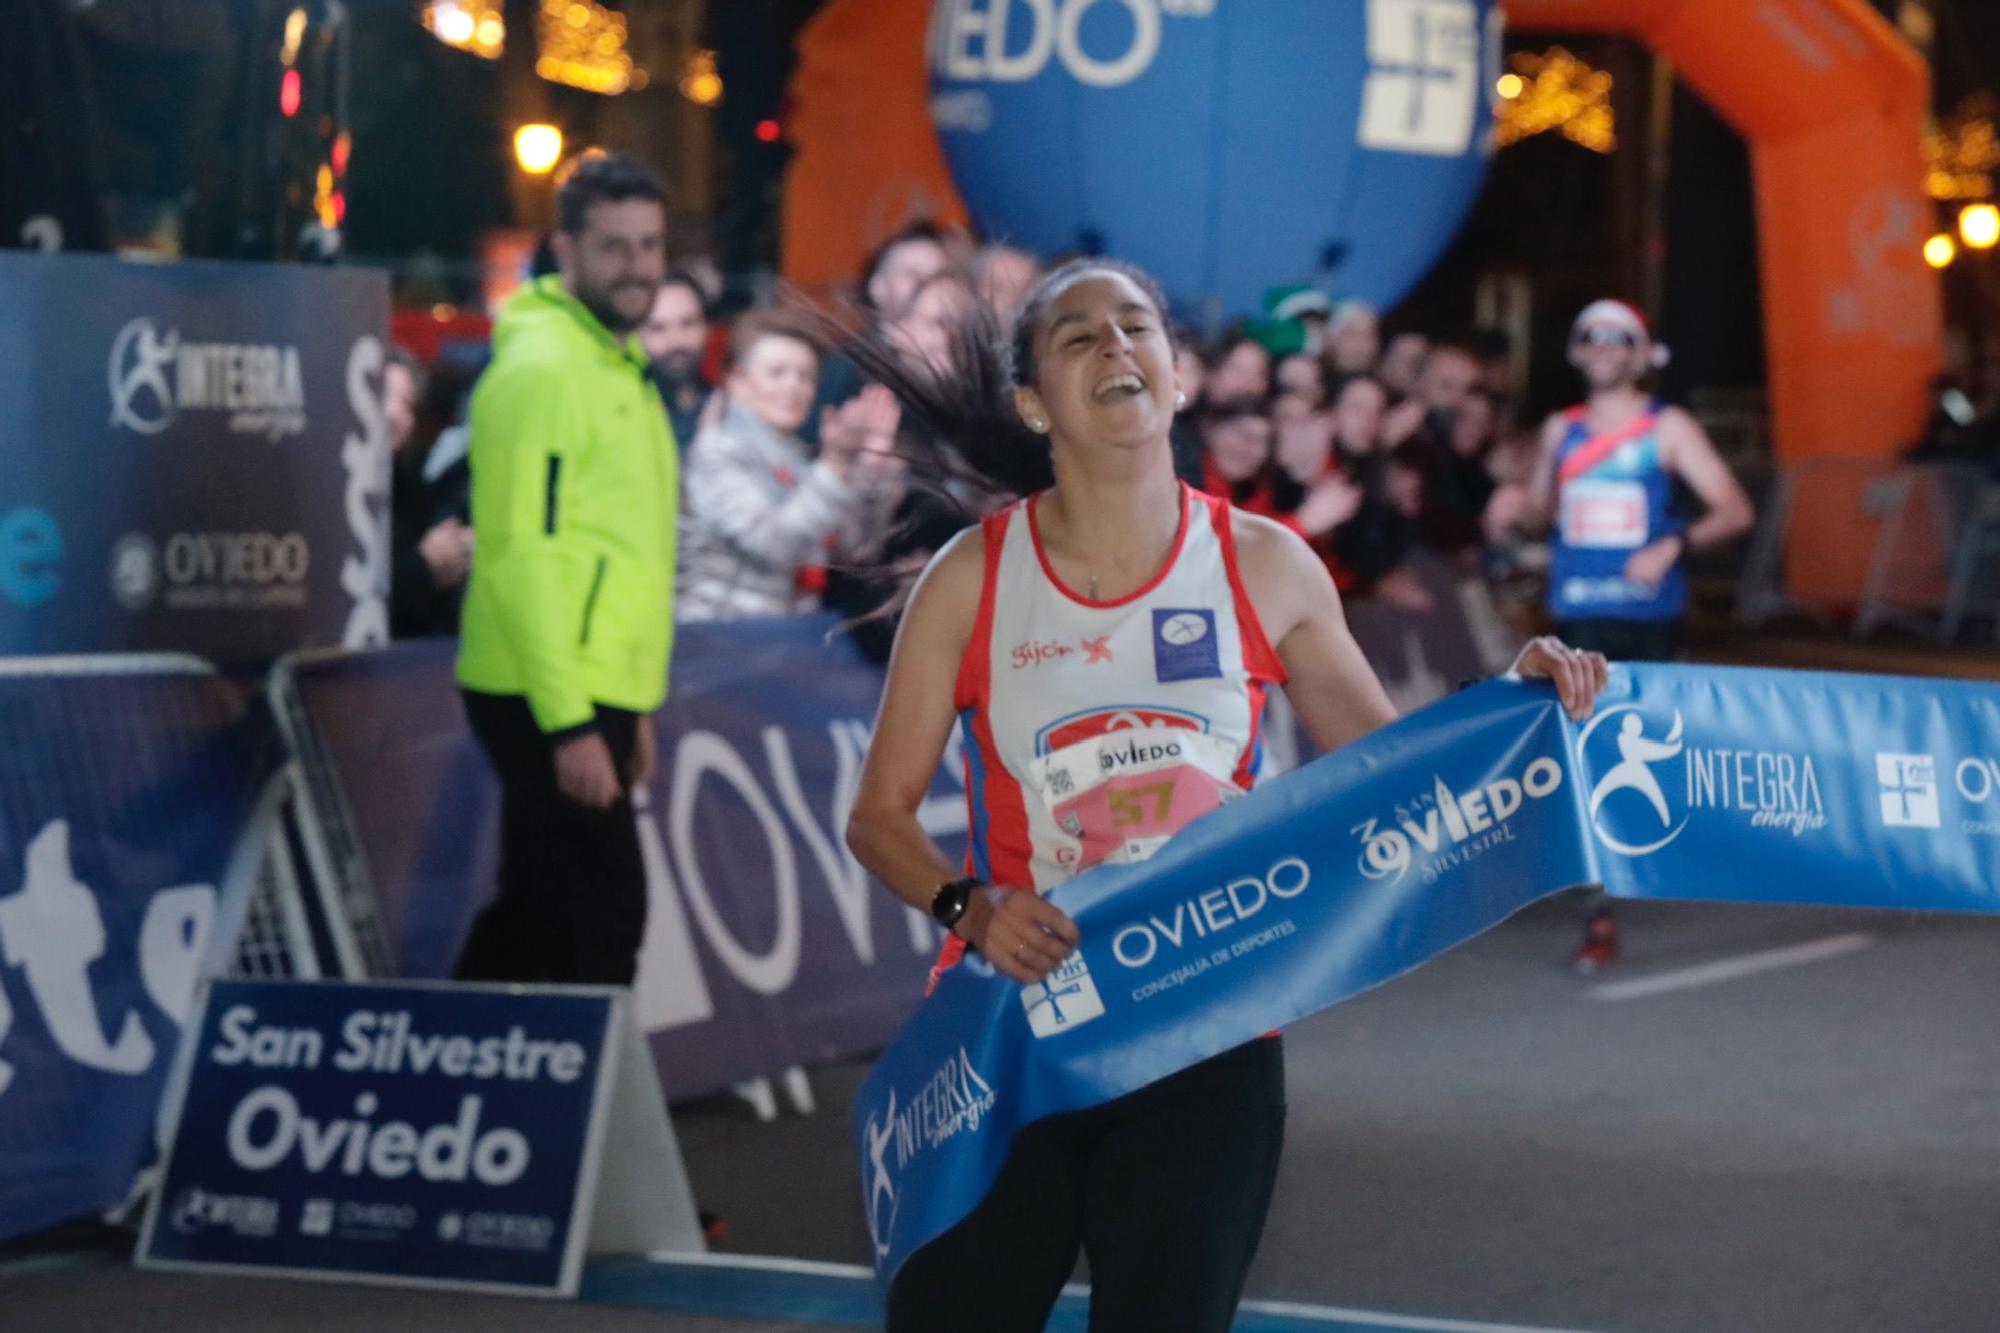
(1096, 730)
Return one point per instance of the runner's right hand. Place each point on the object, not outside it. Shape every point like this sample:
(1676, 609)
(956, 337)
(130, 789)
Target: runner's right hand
(1023, 935)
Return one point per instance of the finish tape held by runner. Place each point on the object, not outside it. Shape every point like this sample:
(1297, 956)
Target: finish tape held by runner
(1692, 783)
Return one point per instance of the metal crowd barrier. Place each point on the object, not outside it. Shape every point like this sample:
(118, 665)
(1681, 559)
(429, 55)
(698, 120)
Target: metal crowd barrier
(333, 888)
(1974, 587)
(1932, 531)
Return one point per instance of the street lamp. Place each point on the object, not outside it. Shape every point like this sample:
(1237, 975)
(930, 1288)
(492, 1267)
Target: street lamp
(1940, 250)
(538, 148)
(1979, 226)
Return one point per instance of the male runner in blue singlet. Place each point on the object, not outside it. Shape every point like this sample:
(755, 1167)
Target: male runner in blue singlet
(1604, 479)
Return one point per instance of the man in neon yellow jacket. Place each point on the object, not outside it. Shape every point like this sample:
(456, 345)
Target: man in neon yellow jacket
(568, 618)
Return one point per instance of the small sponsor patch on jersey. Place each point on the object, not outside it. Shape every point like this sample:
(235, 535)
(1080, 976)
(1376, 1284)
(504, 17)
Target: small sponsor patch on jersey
(1184, 644)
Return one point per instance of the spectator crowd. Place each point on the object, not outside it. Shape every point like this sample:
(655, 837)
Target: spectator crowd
(798, 492)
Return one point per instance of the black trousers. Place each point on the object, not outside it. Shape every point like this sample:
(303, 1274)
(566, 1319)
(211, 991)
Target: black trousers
(1165, 1190)
(1624, 640)
(572, 900)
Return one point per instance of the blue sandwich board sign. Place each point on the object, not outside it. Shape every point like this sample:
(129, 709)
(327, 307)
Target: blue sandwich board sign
(481, 1137)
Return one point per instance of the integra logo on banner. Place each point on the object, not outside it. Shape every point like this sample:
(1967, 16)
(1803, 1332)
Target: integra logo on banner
(1452, 827)
(155, 376)
(953, 1101)
(1652, 782)
(196, 1210)
(201, 570)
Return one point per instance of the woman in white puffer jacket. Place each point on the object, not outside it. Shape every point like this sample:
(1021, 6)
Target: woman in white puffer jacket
(762, 517)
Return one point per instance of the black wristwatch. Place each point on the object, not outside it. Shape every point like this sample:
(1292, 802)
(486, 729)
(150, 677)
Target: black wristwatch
(949, 905)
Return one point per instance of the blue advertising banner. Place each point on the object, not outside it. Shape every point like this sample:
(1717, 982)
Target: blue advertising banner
(125, 795)
(134, 392)
(767, 944)
(1690, 783)
(438, 1134)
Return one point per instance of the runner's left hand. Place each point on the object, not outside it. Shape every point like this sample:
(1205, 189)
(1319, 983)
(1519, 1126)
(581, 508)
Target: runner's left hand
(1578, 676)
(1650, 564)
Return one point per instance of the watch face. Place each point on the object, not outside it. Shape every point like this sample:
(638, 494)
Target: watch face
(949, 905)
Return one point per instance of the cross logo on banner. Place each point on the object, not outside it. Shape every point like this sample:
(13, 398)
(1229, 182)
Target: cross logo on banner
(1067, 998)
(1423, 88)
(1909, 790)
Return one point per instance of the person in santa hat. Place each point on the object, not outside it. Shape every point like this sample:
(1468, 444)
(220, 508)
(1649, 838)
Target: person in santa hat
(1605, 481)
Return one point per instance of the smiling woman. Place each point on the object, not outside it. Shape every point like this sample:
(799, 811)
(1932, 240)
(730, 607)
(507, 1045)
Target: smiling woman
(764, 515)
(1156, 620)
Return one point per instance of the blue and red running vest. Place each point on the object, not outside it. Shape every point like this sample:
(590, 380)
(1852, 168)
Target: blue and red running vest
(1612, 498)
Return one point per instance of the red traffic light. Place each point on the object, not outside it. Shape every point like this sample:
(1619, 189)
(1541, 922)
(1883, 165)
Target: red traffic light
(769, 130)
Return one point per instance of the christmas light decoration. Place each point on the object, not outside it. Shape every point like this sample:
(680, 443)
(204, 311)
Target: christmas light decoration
(583, 46)
(1962, 151)
(469, 25)
(1554, 92)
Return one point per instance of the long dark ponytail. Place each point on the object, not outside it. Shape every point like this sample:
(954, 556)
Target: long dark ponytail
(965, 444)
(969, 436)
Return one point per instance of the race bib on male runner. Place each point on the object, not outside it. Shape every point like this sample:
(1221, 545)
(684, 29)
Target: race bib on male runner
(1604, 515)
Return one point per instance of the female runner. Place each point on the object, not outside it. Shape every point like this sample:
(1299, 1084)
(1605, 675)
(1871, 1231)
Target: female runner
(1106, 645)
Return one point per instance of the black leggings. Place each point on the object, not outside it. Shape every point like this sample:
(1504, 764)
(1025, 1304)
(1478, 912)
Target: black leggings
(1165, 1189)
(1624, 640)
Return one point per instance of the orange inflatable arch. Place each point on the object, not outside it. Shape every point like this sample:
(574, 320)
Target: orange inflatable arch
(1832, 102)
(1830, 98)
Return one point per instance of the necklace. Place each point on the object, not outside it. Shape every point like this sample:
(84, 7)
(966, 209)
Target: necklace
(1093, 586)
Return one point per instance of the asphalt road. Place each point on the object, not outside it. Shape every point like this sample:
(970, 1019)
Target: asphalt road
(1807, 1147)
(1814, 1147)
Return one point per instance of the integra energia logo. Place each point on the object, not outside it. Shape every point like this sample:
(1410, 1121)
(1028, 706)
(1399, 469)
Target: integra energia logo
(1650, 780)
(954, 1100)
(155, 376)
